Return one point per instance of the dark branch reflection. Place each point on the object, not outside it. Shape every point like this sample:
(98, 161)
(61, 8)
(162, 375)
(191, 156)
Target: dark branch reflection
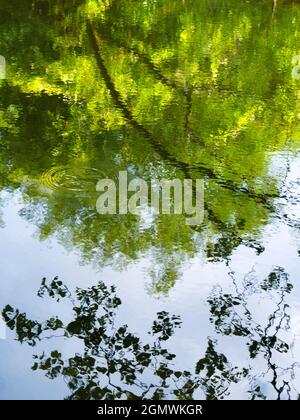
(115, 363)
(231, 315)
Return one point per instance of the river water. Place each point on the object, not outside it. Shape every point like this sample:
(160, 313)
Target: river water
(161, 89)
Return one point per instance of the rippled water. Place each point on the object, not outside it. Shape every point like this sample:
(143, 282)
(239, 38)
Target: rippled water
(165, 89)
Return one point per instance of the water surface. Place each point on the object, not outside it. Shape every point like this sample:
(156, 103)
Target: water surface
(174, 89)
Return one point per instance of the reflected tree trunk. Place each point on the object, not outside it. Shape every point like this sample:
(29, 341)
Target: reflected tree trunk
(274, 8)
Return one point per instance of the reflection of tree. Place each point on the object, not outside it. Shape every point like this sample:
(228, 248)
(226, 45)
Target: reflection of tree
(231, 316)
(159, 148)
(93, 90)
(115, 363)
